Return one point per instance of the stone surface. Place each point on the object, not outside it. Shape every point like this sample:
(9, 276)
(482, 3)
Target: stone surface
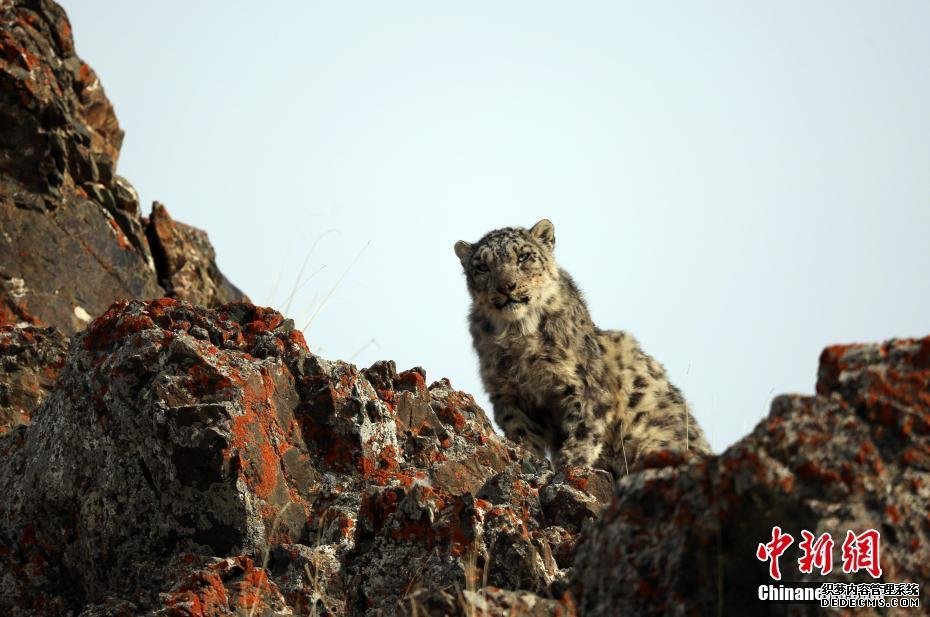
(71, 233)
(682, 540)
(212, 440)
(30, 360)
(186, 262)
(192, 461)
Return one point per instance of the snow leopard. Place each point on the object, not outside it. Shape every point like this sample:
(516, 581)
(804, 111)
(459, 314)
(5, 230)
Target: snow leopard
(558, 384)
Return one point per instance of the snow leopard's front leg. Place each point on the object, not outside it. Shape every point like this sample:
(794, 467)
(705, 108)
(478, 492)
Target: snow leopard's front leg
(583, 425)
(517, 426)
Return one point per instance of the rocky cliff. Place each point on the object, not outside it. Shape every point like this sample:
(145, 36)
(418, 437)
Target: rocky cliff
(189, 454)
(72, 238)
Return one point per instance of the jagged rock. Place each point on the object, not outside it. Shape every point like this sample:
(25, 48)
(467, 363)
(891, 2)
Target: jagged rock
(63, 255)
(71, 233)
(577, 496)
(221, 586)
(682, 540)
(151, 443)
(186, 262)
(310, 578)
(30, 359)
(212, 440)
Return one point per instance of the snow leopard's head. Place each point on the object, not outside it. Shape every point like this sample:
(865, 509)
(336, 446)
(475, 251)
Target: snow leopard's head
(511, 272)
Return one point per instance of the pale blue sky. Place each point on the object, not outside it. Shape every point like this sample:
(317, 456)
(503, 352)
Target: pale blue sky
(738, 184)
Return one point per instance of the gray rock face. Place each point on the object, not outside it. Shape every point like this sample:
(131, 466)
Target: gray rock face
(213, 441)
(30, 359)
(201, 462)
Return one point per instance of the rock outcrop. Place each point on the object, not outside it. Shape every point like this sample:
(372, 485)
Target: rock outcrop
(186, 262)
(199, 462)
(682, 540)
(191, 461)
(72, 239)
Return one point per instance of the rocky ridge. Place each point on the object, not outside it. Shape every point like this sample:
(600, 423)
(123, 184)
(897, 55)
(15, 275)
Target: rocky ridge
(193, 461)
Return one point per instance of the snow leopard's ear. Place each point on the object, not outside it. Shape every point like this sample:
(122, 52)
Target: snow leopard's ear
(462, 250)
(544, 231)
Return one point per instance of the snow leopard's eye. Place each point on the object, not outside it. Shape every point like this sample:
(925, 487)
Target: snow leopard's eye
(523, 257)
(481, 268)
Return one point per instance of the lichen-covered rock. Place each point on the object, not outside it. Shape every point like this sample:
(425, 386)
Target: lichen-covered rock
(577, 496)
(213, 441)
(157, 442)
(30, 359)
(186, 262)
(191, 461)
(220, 586)
(198, 586)
(71, 234)
(682, 540)
(64, 255)
(310, 577)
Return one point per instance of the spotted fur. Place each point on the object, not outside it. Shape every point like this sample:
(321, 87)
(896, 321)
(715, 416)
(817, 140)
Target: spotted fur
(592, 397)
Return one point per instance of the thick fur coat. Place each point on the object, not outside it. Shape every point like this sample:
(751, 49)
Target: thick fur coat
(558, 383)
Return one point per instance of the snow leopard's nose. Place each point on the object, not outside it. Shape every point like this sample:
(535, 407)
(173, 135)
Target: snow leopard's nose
(506, 288)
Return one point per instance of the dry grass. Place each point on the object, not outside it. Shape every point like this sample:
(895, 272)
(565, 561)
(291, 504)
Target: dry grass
(332, 290)
(359, 351)
(472, 578)
(300, 281)
(267, 556)
(313, 578)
